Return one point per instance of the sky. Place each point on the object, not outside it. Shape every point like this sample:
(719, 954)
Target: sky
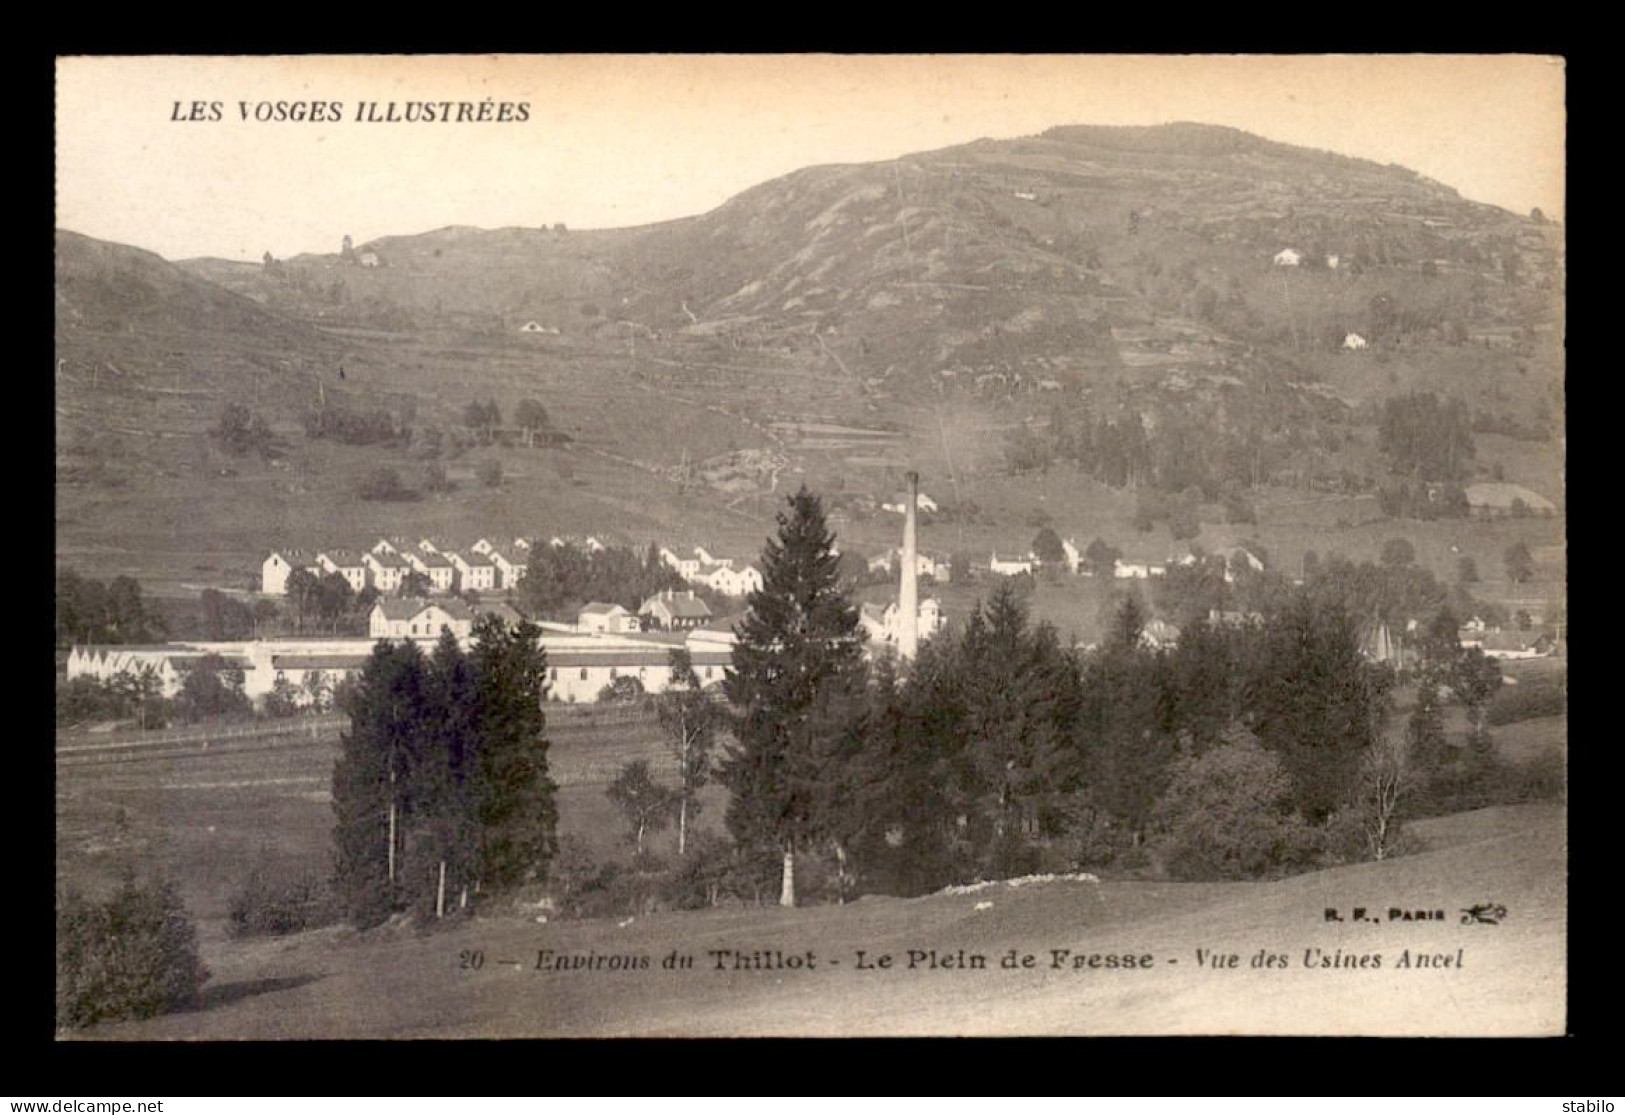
(614, 141)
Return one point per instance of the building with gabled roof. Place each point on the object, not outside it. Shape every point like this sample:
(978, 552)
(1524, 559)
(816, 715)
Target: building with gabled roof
(1009, 566)
(348, 564)
(279, 566)
(405, 618)
(672, 611)
(438, 569)
(385, 568)
(475, 571)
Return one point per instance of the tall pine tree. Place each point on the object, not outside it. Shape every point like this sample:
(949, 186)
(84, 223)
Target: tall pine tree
(372, 779)
(516, 808)
(795, 684)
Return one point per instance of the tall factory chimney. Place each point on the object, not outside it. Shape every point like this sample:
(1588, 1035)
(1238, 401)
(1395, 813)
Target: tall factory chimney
(908, 594)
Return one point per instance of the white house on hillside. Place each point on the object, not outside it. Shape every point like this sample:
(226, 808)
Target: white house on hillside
(1288, 257)
(1009, 566)
(1137, 570)
(898, 504)
(274, 571)
(347, 563)
(433, 566)
(510, 565)
(385, 569)
(1354, 342)
(474, 571)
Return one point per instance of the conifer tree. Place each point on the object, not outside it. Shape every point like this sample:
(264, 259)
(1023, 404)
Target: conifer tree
(370, 782)
(794, 684)
(516, 808)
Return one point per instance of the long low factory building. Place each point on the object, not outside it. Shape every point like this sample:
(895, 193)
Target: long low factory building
(579, 666)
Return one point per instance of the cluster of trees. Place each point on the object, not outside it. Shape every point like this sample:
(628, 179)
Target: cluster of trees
(1186, 450)
(88, 611)
(1000, 744)
(1422, 500)
(1426, 438)
(560, 579)
(1181, 511)
(690, 721)
(210, 690)
(223, 617)
(327, 599)
(441, 792)
(241, 432)
(384, 485)
(1250, 748)
(356, 427)
(531, 424)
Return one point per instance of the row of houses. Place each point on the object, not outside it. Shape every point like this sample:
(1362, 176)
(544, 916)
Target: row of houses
(1236, 558)
(720, 574)
(483, 566)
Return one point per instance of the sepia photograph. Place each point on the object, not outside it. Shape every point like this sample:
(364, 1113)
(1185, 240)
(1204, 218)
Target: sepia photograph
(810, 545)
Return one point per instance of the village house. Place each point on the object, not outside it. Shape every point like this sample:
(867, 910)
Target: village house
(1159, 634)
(385, 568)
(685, 567)
(369, 259)
(476, 572)
(1517, 644)
(1009, 566)
(607, 619)
(275, 570)
(349, 564)
(394, 618)
(1074, 556)
(898, 503)
(1288, 257)
(435, 567)
(1354, 342)
(510, 560)
(675, 611)
(1137, 570)
(724, 578)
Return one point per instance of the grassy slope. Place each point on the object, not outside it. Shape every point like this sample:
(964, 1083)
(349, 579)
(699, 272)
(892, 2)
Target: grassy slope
(395, 983)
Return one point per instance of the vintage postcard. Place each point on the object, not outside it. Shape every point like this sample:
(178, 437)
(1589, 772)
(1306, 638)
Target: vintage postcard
(810, 545)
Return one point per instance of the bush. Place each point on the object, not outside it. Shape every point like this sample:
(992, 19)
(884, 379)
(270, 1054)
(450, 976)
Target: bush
(132, 956)
(1478, 781)
(701, 878)
(384, 484)
(1228, 815)
(1534, 698)
(272, 905)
